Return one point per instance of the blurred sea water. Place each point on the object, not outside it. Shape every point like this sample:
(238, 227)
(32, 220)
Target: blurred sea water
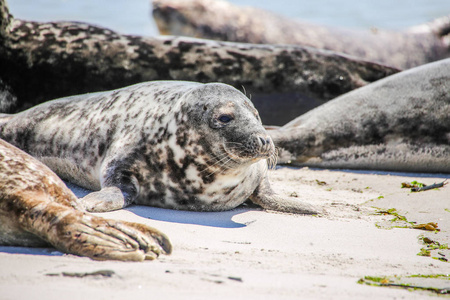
(134, 16)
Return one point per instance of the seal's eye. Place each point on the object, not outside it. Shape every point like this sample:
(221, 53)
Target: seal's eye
(225, 118)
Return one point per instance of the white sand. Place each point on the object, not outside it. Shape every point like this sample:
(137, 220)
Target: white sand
(252, 254)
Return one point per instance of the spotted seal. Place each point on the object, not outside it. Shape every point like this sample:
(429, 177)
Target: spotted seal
(170, 144)
(37, 209)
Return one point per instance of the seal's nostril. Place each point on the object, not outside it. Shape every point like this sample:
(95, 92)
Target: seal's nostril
(263, 141)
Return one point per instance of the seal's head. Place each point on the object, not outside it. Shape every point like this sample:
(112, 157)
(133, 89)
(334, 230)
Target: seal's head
(230, 126)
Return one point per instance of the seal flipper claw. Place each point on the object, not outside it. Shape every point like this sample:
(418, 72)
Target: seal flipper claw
(160, 238)
(267, 199)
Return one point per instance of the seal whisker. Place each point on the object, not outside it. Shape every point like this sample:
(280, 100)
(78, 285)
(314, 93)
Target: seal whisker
(273, 159)
(214, 172)
(222, 167)
(218, 163)
(243, 88)
(235, 145)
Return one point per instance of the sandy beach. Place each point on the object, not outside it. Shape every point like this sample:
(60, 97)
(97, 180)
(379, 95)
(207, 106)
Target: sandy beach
(373, 238)
(254, 254)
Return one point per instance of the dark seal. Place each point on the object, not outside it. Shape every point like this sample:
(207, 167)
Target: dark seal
(169, 144)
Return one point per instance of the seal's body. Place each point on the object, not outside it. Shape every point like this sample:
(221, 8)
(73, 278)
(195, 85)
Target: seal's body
(399, 123)
(37, 209)
(169, 144)
(224, 21)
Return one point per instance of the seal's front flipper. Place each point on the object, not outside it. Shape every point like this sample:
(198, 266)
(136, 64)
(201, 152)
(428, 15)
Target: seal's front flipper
(277, 203)
(100, 239)
(267, 199)
(52, 220)
(107, 199)
(119, 190)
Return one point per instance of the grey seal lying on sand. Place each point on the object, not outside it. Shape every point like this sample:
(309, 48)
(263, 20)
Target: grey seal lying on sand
(221, 20)
(169, 144)
(399, 123)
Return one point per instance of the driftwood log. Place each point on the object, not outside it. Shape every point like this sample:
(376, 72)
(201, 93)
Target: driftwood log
(220, 20)
(43, 61)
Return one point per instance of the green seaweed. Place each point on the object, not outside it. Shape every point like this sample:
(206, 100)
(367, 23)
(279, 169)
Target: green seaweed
(440, 258)
(424, 252)
(438, 276)
(395, 281)
(413, 184)
(393, 212)
(400, 221)
(419, 187)
(432, 247)
(431, 226)
(418, 184)
(382, 280)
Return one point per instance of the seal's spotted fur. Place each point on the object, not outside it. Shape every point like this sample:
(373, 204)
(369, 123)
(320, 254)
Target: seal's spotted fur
(179, 145)
(37, 209)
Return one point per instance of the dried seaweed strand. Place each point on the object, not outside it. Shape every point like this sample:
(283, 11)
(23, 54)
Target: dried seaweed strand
(429, 187)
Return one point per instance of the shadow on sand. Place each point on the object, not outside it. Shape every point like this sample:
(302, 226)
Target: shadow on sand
(30, 251)
(213, 219)
(221, 219)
